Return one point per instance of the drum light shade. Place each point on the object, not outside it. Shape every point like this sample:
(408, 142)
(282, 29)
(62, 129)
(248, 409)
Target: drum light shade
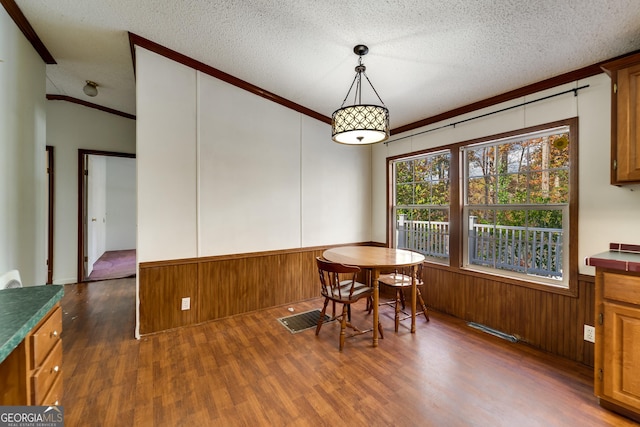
(360, 124)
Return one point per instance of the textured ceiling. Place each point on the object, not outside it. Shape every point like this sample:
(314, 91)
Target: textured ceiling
(425, 56)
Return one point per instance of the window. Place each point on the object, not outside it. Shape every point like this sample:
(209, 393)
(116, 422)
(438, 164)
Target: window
(421, 205)
(509, 215)
(516, 204)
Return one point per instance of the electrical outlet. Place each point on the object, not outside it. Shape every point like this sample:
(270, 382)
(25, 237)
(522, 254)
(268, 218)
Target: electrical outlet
(186, 303)
(589, 333)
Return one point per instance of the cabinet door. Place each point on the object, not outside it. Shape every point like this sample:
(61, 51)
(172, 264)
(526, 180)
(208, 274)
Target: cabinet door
(621, 354)
(628, 131)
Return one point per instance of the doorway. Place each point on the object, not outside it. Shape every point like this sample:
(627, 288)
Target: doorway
(106, 215)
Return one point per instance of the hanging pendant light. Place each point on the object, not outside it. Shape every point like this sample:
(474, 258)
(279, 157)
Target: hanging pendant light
(360, 123)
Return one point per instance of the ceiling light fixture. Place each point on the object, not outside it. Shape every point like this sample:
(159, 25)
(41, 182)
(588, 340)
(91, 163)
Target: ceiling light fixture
(91, 88)
(360, 123)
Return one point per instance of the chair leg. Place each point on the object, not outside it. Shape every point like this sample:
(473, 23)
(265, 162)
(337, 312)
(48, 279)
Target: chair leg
(402, 299)
(380, 331)
(321, 319)
(422, 304)
(397, 307)
(343, 325)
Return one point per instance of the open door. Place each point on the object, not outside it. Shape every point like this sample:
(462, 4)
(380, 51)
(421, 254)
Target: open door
(83, 176)
(95, 231)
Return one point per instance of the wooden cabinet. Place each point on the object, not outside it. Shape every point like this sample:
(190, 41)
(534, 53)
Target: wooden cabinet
(625, 119)
(32, 373)
(617, 349)
(46, 359)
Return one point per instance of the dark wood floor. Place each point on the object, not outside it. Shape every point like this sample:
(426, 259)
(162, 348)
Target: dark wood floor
(249, 370)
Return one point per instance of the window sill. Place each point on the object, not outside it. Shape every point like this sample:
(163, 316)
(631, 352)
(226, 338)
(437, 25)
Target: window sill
(570, 291)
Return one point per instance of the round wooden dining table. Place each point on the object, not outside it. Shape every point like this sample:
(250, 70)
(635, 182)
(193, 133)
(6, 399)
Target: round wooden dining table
(374, 259)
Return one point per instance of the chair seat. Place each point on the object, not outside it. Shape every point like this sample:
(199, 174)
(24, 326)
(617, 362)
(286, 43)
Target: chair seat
(342, 295)
(397, 280)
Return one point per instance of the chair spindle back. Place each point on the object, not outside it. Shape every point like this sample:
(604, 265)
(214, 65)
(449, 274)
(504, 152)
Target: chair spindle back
(330, 278)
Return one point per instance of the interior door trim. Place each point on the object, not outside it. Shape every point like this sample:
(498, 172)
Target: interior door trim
(82, 153)
(50, 209)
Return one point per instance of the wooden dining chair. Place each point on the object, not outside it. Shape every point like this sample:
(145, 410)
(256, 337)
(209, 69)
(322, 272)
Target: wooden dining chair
(339, 285)
(400, 280)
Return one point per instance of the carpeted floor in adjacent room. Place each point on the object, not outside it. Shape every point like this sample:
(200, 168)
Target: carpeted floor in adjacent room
(114, 265)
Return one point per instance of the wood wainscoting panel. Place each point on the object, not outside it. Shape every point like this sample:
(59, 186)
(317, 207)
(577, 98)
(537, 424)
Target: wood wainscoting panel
(546, 320)
(161, 291)
(279, 279)
(224, 289)
(239, 285)
(225, 285)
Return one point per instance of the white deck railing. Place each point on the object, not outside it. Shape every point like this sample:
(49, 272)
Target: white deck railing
(536, 251)
(430, 238)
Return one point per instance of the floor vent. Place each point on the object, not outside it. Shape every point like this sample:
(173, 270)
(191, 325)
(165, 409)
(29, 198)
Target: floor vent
(494, 332)
(302, 321)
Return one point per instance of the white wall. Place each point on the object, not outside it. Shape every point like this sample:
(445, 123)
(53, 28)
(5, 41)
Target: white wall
(336, 188)
(167, 158)
(606, 213)
(249, 180)
(121, 203)
(222, 171)
(22, 156)
(71, 127)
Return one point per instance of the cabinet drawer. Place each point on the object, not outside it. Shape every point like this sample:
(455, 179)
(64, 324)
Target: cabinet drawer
(46, 336)
(54, 397)
(620, 287)
(44, 377)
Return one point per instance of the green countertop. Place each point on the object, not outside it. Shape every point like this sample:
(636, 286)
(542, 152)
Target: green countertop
(20, 310)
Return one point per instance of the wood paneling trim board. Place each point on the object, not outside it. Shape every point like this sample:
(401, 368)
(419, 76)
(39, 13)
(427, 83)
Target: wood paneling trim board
(228, 285)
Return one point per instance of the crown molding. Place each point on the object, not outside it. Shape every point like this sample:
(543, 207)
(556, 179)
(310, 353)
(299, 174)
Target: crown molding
(136, 40)
(569, 77)
(90, 105)
(21, 21)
